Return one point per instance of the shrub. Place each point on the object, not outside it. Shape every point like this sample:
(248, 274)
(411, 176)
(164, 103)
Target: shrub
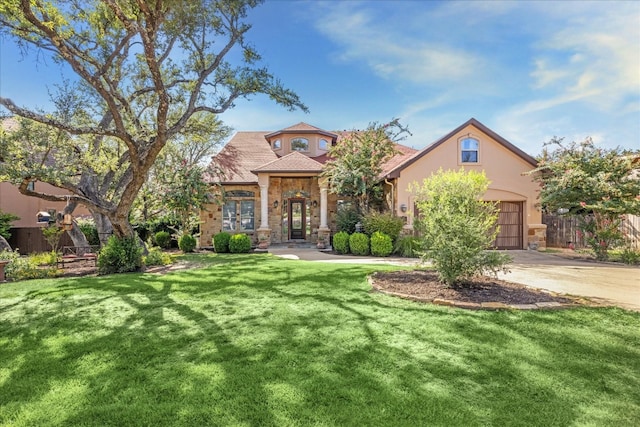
(381, 244)
(239, 243)
(457, 226)
(386, 223)
(407, 246)
(163, 239)
(221, 242)
(341, 242)
(630, 256)
(157, 257)
(120, 255)
(359, 244)
(52, 234)
(45, 258)
(187, 243)
(346, 220)
(23, 268)
(88, 228)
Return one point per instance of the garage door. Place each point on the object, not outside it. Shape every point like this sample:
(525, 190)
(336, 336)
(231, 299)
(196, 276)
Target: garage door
(510, 222)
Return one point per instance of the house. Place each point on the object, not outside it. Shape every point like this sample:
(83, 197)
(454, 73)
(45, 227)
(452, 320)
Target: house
(34, 213)
(273, 190)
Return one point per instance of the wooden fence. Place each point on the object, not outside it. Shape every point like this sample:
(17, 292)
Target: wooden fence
(30, 240)
(562, 231)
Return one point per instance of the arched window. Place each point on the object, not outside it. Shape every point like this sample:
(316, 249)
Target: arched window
(323, 144)
(277, 144)
(469, 150)
(300, 144)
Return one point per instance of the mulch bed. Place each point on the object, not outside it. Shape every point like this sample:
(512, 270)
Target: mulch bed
(424, 285)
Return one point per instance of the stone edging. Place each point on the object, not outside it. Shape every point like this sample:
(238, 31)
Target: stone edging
(494, 306)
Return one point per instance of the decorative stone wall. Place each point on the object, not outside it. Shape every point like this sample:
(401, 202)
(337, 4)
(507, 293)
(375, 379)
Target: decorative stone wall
(537, 236)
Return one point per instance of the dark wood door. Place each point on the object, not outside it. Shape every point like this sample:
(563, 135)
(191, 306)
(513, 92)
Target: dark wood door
(510, 222)
(297, 220)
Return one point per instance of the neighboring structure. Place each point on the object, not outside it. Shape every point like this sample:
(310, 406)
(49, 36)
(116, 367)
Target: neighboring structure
(274, 192)
(34, 213)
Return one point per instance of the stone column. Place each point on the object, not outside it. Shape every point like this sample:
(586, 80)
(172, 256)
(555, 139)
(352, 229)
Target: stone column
(264, 205)
(323, 207)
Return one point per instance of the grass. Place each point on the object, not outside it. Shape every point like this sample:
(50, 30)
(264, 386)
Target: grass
(251, 340)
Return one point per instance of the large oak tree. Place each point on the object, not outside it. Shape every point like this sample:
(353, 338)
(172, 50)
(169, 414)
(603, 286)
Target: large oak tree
(144, 73)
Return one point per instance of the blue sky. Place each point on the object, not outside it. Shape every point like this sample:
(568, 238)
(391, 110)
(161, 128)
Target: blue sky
(527, 70)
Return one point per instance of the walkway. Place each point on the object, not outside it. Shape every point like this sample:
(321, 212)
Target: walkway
(618, 284)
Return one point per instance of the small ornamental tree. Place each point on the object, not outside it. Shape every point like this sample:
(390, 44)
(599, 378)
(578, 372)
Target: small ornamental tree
(596, 184)
(357, 161)
(456, 227)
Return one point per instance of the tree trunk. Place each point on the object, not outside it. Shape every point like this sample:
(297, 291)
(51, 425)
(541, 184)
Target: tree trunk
(77, 236)
(4, 245)
(104, 227)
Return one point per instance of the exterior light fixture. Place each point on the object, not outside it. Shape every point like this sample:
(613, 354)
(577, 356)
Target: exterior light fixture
(315, 203)
(403, 207)
(275, 204)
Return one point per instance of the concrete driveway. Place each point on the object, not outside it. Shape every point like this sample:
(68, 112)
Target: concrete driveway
(605, 282)
(614, 283)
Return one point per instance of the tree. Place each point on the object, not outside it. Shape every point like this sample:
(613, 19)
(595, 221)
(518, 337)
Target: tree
(356, 162)
(5, 224)
(145, 72)
(456, 227)
(598, 185)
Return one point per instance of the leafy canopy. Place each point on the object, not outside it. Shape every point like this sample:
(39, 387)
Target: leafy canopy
(456, 227)
(357, 161)
(144, 73)
(596, 184)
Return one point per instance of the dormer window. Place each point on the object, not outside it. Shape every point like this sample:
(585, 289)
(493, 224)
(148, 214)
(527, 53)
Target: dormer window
(300, 144)
(323, 144)
(469, 150)
(277, 144)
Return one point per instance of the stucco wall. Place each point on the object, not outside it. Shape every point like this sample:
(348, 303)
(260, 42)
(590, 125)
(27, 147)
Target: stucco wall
(27, 207)
(502, 167)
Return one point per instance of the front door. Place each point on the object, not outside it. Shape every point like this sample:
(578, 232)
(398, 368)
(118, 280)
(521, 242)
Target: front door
(297, 220)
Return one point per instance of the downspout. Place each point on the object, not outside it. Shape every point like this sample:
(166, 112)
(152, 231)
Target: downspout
(393, 194)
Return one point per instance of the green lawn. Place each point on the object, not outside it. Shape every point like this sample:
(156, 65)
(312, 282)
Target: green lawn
(252, 340)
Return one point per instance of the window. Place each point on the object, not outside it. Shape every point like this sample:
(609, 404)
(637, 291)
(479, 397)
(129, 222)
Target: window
(229, 216)
(31, 186)
(245, 221)
(300, 144)
(323, 144)
(247, 214)
(277, 144)
(469, 150)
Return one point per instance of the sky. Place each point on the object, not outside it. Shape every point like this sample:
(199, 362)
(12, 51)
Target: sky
(527, 70)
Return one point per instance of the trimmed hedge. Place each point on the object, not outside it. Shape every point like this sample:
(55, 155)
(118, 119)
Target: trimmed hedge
(359, 244)
(187, 243)
(381, 244)
(120, 255)
(163, 239)
(239, 243)
(341, 242)
(221, 242)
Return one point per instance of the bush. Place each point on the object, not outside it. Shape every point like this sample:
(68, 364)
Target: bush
(221, 242)
(381, 244)
(457, 226)
(347, 219)
(88, 228)
(23, 268)
(385, 223)
(407, 246)
(120, 255)
(239, 243)
(359, 244)
(157, 257)
(187, 243)
(630, 256)
(162, 239)
(341, 242)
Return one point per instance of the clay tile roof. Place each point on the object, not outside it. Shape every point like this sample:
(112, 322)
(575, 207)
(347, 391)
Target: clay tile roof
(243, 153)
(302, 128)
(292, 162)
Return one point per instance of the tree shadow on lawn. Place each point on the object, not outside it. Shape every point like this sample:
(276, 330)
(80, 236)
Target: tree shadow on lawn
(281, 342)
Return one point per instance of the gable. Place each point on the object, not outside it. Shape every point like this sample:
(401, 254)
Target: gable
(446, 150)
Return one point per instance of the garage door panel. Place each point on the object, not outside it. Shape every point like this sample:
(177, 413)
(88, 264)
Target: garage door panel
(510, 220)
